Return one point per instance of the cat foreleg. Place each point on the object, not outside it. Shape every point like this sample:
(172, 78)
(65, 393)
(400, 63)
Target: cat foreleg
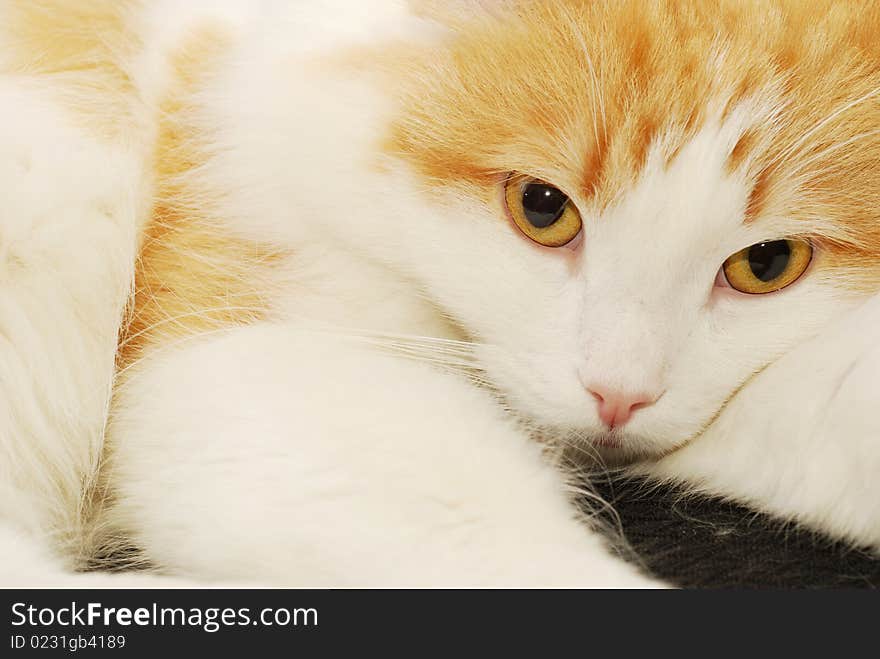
(295, 458)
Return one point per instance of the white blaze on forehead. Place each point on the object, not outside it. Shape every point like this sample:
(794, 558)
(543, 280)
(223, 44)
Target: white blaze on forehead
(649, 262)
(676, 221)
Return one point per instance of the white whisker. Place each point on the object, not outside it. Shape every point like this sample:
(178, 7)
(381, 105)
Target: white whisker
(797, 145)
(831, 149)
(199, 313)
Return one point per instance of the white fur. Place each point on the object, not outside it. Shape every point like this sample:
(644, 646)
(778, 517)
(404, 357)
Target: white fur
(803, 439)
(351, 468)
(308, 451)
(67, 244)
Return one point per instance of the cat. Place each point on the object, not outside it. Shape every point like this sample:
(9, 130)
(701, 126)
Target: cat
(332, 293)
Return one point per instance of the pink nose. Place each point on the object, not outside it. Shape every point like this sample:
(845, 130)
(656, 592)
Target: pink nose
(617, 407)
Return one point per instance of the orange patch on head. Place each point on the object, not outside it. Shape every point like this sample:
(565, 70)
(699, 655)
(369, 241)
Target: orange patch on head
(576, 92)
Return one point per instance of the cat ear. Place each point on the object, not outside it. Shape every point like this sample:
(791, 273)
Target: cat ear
(456, 12)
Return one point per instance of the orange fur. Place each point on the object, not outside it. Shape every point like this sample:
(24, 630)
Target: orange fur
(81, 46)
(193, 275)
(576, 92)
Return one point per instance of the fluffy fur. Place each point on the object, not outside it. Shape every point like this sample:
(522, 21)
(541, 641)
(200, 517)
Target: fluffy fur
(267, 319)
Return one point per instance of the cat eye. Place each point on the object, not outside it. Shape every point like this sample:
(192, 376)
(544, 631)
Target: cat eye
(769, 266)
(542, 211)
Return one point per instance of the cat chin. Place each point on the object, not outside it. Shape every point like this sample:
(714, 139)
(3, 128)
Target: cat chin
(618, 451)
(658, 434)
(608, 448)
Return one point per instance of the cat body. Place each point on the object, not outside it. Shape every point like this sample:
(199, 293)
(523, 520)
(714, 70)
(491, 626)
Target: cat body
(300, 341)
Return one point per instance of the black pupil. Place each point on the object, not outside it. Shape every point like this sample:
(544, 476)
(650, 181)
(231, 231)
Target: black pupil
(769, 260)
(543, 204)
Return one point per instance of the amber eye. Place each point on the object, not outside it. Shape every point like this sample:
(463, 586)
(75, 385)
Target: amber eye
(542, 211)
(768, 267)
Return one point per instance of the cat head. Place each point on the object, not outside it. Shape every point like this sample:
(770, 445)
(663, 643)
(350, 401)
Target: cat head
(637, 207)
(633, 208)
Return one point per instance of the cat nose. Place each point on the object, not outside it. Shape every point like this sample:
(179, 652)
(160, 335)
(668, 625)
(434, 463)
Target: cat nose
(617, 407)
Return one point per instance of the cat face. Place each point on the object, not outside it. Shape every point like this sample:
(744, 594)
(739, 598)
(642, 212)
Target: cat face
(637, 305)
(648, 154)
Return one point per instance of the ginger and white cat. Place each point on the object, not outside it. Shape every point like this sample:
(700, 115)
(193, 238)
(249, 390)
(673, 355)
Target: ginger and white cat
(315, 292)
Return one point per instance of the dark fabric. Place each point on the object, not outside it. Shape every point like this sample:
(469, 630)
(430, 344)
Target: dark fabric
(700, 542)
